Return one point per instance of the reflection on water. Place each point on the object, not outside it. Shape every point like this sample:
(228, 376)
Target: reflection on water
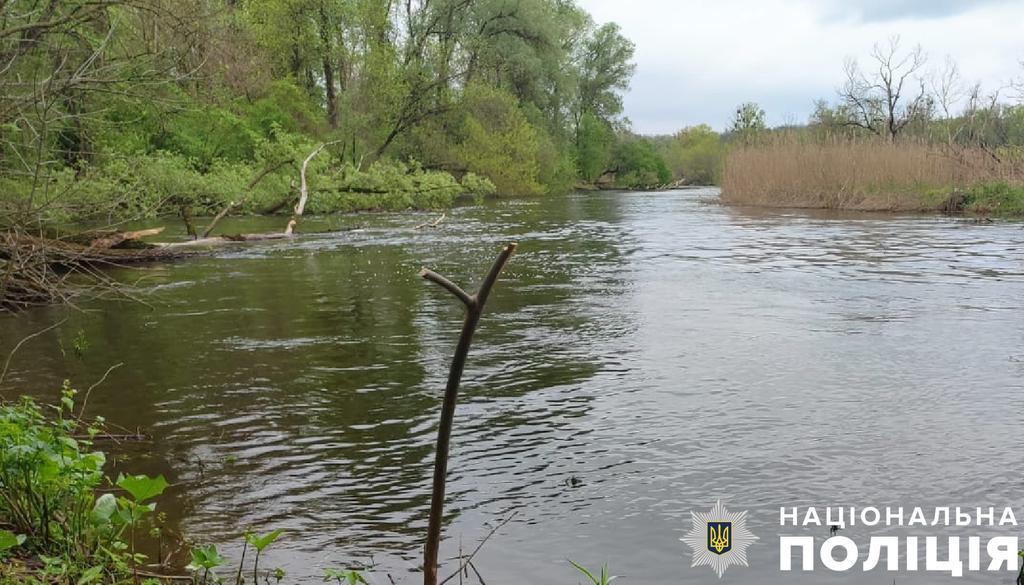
(663, 350)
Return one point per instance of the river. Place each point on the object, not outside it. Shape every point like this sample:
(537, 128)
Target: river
(645, 355)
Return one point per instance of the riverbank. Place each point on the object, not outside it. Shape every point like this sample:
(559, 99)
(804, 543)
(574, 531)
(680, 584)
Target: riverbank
(875, 176)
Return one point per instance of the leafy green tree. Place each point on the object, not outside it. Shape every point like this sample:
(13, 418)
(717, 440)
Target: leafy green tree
(637, 164)
(605, 62)
(748, 120)
(594, 143)
(137, 107)
(499, 142)
(696, 155)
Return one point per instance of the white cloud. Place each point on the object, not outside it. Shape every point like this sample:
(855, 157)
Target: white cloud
(696, 60)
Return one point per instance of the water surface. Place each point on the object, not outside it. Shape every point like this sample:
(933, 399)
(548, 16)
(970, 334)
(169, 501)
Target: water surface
(663, 350)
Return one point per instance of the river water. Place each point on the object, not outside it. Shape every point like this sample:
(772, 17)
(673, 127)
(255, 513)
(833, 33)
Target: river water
(645, 355)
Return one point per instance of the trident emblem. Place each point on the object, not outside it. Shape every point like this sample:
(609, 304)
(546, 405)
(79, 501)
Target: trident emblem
(719, 537)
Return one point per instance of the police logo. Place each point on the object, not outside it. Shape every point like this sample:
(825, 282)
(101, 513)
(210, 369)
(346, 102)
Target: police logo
(719, 538)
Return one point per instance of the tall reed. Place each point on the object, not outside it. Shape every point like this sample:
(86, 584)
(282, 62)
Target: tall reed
(840, 173)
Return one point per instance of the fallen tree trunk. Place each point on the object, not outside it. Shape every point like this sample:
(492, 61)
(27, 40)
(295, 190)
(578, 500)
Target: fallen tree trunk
(115, 239)
(234, 204)
(221, 240)
(432, 224)
(15, 245)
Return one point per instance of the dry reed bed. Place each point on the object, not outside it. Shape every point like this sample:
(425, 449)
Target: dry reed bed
(860, 175)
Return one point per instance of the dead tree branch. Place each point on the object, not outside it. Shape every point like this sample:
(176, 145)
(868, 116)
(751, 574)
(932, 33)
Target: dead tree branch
(10, 356)
(300, 207)
(248, 188)
(474, 308)
(432, 224)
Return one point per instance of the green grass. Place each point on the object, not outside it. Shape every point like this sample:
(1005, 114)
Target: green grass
(1001, 199)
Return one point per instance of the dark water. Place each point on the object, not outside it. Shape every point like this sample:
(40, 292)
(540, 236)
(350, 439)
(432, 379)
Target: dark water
(664, 351)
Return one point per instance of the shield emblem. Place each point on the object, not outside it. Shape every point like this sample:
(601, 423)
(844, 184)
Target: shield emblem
(719, 537)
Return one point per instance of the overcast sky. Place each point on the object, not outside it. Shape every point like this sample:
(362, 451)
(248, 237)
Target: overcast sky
(698, 59)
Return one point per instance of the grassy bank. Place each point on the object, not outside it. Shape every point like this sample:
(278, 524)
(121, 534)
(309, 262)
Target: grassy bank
(875, 176)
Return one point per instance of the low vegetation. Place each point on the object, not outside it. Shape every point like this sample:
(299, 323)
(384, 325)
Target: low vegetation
(63, 522)
(56, 528)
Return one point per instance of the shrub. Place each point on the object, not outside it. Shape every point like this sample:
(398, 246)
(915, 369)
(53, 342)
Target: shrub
(387, 185)
(206, 135)
(594, 142)
(696, 155)
(47, 477)
(49, 474)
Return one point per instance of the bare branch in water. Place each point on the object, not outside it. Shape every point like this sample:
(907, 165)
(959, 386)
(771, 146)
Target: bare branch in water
(10, 356)
(474, 308)
(468, 562)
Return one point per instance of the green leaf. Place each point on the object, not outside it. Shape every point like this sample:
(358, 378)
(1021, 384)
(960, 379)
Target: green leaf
(206, 557)
(604, 580)
(142, 487)
(345, 575)
(262, 542)
(9, 540)
(91, 574)
(105, 507)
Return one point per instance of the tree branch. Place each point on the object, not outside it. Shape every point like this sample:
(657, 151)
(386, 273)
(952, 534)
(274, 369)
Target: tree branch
(474, 308)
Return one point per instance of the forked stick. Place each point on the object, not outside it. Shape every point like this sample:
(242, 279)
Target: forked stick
(474, 308)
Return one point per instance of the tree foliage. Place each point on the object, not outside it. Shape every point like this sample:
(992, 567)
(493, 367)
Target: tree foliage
(748, 121)
(638, 165)
(212, 90)
(695, 154)
(594, 142)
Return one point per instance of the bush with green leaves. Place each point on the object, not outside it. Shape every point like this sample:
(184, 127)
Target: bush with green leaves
(386, 185)
(49, 474)
(497, 140)
(1000, 198)
(696, 154)
(595, 139)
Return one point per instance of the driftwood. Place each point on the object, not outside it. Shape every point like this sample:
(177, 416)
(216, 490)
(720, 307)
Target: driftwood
(300, 207)
(36, 270)
(474, 308)
(432, 224)
(221, 240)
(61, 253)
(118, 238)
